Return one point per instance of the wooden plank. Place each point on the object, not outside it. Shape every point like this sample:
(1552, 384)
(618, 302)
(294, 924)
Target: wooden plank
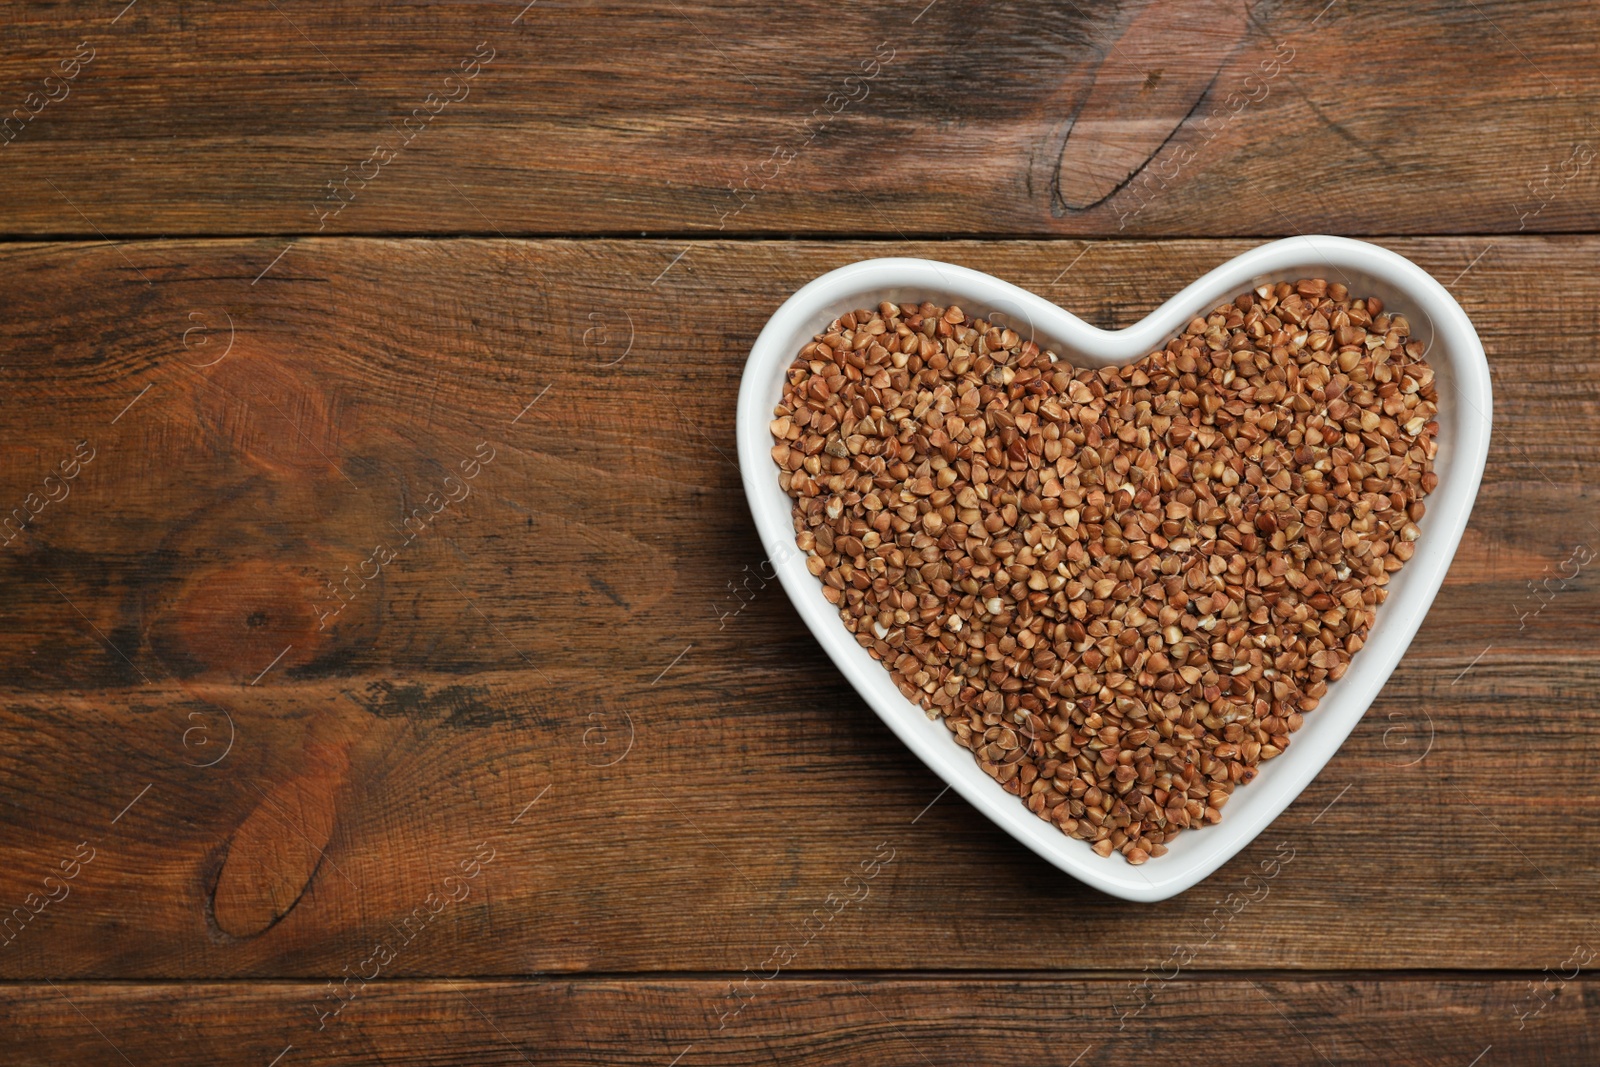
(364, 373)
(1138, 118)
(668, 860)
(1342, 1021)
(668, 772)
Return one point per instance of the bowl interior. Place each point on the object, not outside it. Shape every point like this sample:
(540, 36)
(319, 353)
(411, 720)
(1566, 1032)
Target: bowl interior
(1453, 351)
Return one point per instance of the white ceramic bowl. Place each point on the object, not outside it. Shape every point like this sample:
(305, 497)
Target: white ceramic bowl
(1464, 423)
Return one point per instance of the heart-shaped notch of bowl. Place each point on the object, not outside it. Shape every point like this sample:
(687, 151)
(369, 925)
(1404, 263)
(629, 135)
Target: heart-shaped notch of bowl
(1462, 373)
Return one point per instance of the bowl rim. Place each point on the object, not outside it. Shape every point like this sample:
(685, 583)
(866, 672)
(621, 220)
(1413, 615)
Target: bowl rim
(1465, 421)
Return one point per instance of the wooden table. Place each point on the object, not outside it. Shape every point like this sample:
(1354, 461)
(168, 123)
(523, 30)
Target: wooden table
(389, 671)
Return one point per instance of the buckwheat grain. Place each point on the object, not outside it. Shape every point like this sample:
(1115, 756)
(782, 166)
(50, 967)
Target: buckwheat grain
(1120, 588)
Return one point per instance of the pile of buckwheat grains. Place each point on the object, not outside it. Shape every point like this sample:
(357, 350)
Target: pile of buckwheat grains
(1119, 588)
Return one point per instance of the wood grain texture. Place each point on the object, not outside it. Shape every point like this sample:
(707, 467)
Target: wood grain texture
(1209, 1021)
(559, 723)
(388, 672)
(1221, 117)
(1136, 101)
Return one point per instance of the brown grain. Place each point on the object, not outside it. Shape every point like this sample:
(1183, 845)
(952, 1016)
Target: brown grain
(1119, 588)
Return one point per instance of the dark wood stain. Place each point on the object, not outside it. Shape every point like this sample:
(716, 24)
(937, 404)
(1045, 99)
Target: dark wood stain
(401, 548)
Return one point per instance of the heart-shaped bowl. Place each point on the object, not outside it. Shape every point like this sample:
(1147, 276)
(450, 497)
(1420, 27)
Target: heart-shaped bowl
(1462, 373)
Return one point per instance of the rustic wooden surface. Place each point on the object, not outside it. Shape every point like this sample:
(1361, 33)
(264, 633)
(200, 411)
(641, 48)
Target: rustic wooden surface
(910, 1021)
(560, 776)
(1357, 116)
